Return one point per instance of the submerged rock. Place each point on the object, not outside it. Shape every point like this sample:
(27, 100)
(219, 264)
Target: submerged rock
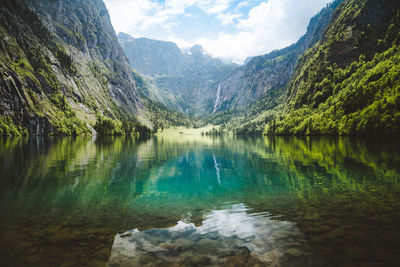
(229, 237)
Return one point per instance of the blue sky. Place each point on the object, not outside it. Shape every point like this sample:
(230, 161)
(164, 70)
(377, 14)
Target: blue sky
(225, 28)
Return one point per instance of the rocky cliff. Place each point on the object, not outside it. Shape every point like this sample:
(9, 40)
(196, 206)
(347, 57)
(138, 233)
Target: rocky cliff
(249, 83)
(60, 67)
(153, 57)
(183, 80)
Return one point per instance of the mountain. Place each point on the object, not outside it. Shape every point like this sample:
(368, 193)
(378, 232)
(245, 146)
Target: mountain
(251, 82)
(63, 71)
(152, 57)
(61, 68)
(183, 80)
(348, 82)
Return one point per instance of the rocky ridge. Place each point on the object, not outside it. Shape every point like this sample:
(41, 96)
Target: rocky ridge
(184, 80)
(61, 66)
(250, 82)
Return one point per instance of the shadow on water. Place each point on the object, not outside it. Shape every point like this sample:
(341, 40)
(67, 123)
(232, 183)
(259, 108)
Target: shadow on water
(199, 200)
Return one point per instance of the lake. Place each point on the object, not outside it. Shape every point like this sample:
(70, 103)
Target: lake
(199, 201)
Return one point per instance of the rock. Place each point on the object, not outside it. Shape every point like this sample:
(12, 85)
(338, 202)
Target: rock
(312, 217)
(167, 247)
(52, 229)
(208, 244)
(281, 234)
(335, 233)
(201, 260)
(195, 237)
(238, 259)
(184, 243)
(273, 257)
(85, 36)
(65, 235)
(234, 261)
(125, 235)
(295, 252)
(214, 236)
(264, 231)
(254, 261)
(147, 246)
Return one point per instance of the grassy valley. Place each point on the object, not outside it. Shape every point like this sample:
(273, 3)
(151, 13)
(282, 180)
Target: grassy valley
(340, 78)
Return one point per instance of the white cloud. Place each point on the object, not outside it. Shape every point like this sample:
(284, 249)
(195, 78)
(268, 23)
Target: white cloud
(270, 25)
(228, 18)
(214, 7)
(144, 14)
(242, 4)
(126, 15)
(181, 43)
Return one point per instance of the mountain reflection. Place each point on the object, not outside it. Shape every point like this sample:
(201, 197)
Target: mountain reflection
(338, 191)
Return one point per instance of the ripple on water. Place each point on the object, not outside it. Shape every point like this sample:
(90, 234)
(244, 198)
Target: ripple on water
(230, 236)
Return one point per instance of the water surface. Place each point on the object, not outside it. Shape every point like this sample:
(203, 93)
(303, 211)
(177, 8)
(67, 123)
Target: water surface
(199, 201)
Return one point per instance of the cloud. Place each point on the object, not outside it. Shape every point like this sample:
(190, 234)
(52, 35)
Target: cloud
(141, 15)
(246, 28)
(242, 4)
(126, 15)
(228, 18)
(270, 25)
(214, 7)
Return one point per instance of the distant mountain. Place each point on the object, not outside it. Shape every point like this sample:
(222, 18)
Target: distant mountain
(152, 57)
(182, 80)
(61, 67)
(249, 83)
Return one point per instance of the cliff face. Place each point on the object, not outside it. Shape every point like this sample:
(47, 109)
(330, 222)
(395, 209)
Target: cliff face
(183, 80)
(348, 82)
(262, 73)
(60, 65)
(152, 57)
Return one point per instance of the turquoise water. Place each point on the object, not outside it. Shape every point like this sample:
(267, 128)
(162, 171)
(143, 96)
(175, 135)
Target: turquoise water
(199, 201)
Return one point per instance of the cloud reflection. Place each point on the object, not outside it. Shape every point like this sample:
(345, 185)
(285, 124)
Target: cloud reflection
(231, 234)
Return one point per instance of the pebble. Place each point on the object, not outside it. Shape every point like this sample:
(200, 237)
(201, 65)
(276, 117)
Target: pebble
(294, 252)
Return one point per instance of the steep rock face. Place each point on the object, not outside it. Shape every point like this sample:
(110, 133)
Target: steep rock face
(60, 65)
(183, 80)
(152, 57)
(86, 27)
(249, 83)
(348, 82)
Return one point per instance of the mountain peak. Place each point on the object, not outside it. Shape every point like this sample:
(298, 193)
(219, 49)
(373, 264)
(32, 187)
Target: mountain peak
(122, 35)
(197, 49)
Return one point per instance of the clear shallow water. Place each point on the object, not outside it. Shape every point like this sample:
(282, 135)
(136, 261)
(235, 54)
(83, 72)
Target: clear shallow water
(189, 201)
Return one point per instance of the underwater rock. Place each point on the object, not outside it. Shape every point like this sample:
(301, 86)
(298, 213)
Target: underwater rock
(294, 252)
(228, 237)
(184, 243)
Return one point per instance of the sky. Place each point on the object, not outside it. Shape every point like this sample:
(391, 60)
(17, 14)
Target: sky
(230, 29)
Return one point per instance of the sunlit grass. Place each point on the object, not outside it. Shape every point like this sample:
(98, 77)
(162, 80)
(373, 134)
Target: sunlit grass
(181, 130)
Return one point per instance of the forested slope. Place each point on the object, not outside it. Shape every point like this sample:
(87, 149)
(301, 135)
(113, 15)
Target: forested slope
(349, 82)
(252, 81)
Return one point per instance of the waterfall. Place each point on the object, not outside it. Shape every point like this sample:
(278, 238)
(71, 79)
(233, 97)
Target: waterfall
(218, 97)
